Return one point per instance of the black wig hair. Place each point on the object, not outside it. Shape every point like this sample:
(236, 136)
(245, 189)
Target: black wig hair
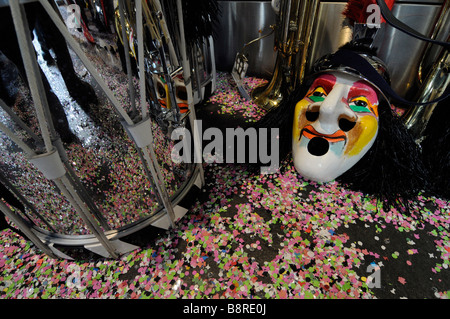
(436, 151)
(392, 170)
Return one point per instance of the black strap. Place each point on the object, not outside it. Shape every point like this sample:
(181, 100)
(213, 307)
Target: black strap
(393, 21)
(357, 62)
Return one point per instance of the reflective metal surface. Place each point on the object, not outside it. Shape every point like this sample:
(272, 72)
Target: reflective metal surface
(239, 23)
(401, 52)
(115, 177)
(241, 20)
(433, 79)
(417, 117)
(293, 29)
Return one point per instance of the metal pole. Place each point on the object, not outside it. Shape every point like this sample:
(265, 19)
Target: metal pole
(69, 193)
(13, 189)
(89, 66)
(23, 226)
(19, 122)
(148, 172)
(150, 157)
(140, 36)
(188, 83)
(62, 28)
(85, 196)
(17, 140)
(161, 41)
(147, 153)
(35, 80)
(74, 179)
(127, 57)
(31, 67)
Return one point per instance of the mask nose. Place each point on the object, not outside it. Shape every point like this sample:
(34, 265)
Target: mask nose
(332, 108)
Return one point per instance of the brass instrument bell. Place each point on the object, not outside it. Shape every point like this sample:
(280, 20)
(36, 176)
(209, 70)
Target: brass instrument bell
(293, 29)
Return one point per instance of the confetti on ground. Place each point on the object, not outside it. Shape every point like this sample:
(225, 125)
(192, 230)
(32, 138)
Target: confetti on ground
(247, 235)
(270, 237)
(231, 101)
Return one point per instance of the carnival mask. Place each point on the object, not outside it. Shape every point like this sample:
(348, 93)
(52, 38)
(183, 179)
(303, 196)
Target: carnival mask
(335, 124)
(162, 92)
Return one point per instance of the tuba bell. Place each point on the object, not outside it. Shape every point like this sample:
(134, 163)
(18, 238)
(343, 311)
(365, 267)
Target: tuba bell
(293, 33)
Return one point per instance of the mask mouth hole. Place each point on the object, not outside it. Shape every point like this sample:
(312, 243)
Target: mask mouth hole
(318, 146)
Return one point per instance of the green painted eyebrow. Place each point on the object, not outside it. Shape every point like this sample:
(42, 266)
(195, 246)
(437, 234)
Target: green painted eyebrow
(316, 98)
(357, 108)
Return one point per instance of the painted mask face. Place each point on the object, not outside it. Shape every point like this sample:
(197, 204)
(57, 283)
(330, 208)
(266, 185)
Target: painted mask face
(162, 92)
(181, 94)
(335, 124)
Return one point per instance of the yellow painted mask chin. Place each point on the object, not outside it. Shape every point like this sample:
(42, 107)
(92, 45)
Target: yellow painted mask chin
(335, 125)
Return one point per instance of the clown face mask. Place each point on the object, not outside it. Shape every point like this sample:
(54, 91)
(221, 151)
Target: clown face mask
(335, 124)
(162, 93)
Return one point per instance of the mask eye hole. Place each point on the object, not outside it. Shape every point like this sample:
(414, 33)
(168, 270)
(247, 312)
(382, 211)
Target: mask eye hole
(312, 115)
(181, 93)
(318, 95)
(346, 124)
(161, 90)
(360, 104)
